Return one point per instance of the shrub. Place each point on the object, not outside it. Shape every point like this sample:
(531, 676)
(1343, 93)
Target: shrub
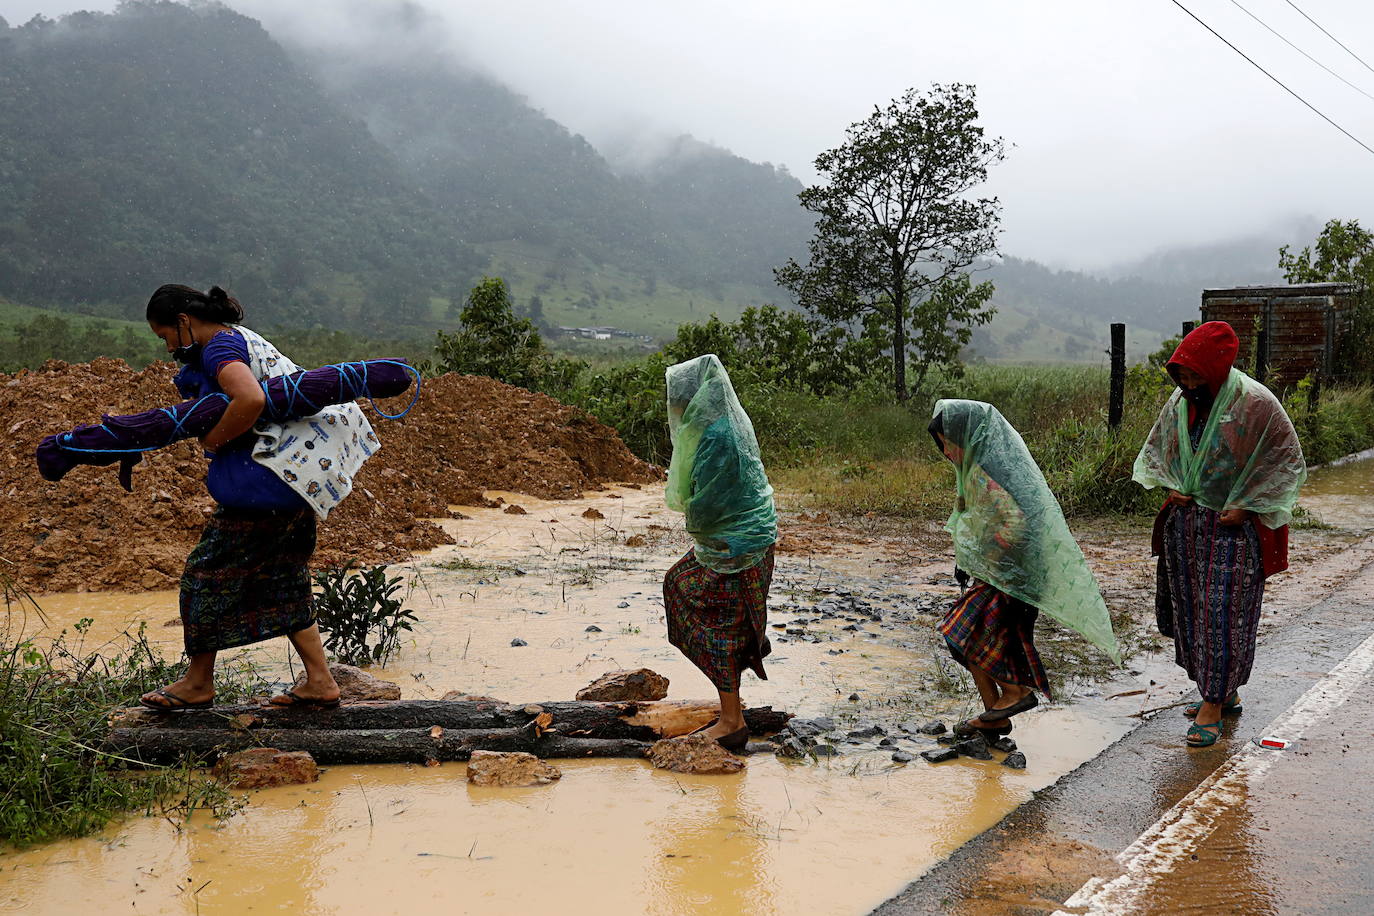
(360, 620)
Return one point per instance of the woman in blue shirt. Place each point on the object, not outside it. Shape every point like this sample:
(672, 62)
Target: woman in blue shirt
(248, 579)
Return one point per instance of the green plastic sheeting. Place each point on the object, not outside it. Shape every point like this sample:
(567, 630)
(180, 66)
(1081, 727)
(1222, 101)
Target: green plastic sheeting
(716, 478)
(1008, 528)
(1247, 456)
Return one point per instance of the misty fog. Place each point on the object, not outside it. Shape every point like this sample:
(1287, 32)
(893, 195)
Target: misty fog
(1133, 128)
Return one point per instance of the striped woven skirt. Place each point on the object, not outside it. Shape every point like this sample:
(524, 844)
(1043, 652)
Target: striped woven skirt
(989, 630)
(248, 579)
(717, 619)
(1209, 592)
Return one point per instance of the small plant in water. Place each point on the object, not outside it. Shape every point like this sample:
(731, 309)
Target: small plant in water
(361, 620)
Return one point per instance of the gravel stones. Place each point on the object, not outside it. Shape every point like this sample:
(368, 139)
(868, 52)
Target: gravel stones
(939, 754)
(1015, 760)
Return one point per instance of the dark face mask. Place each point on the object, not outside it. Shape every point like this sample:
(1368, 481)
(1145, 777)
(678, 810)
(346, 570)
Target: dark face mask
(186, 353)
(1200, 397)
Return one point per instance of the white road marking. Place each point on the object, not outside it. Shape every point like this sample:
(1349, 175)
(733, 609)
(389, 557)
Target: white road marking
(1179, 832)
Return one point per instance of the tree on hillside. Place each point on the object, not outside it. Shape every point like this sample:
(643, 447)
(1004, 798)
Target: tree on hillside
(493, 341)
(1344, 253)
(896, 230)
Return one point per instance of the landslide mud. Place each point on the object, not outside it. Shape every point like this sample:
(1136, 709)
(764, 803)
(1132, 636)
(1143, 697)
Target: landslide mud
(464, 435)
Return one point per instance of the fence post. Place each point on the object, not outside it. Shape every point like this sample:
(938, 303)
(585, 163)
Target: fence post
(1118, 386)
(1261, 354)
(1188, 327)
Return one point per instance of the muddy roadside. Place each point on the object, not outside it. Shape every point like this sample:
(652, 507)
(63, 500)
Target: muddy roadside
(533, 599)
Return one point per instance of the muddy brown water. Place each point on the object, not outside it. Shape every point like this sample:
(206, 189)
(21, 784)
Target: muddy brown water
(1342, 494)
(838, 835)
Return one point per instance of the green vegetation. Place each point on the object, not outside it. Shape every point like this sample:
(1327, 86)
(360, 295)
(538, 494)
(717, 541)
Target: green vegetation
(45, 335)
(55, 700)
(359, 615)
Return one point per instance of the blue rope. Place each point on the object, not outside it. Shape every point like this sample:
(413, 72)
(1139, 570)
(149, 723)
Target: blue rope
(352, 386)
(179, 420)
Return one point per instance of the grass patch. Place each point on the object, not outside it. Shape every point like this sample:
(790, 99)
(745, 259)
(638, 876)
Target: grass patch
(56, 695)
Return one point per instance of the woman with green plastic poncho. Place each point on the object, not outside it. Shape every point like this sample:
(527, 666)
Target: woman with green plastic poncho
(1230, 460)
(1011, 538)
(716, 596)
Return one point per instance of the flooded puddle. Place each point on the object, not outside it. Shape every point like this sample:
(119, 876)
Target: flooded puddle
(1342, 494)
(838, 835)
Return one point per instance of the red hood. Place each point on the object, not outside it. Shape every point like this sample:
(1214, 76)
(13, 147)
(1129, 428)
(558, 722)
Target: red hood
(1209, 350)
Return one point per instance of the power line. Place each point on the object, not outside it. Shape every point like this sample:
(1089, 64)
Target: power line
(1329, 35)
(1280, 37)
(1285, 88)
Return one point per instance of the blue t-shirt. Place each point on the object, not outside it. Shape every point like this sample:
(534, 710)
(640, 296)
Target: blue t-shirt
(234, 480)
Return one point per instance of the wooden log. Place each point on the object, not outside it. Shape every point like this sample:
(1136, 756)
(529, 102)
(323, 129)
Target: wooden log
(345, 745)
(391, 731)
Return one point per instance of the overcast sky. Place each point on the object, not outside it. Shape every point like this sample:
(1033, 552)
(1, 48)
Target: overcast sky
(1133, 128)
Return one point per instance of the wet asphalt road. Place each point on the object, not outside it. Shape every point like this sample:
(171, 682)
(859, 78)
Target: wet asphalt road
(1298, 840)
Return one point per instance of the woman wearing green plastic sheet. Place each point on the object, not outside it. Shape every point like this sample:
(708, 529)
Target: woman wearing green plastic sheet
(716, 596)
(1011, 538)
(1231, 462)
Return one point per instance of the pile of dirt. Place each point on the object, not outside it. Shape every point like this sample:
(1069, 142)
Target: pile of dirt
(466, 434)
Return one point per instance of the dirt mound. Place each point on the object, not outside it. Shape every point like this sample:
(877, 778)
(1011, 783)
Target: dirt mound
(466, 434)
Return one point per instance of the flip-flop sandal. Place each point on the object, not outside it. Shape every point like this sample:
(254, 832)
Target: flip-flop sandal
(1006, 712)
(1229, 708)
(174, 703)
(306, 702)
(1203, 735)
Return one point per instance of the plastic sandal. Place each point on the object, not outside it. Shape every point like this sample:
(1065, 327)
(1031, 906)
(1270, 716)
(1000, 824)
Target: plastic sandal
(1203, 735)
(1027, 702)
(1229, 708)
(174, 703)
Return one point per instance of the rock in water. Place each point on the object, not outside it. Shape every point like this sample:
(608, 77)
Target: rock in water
(356, 685)
(1016, 760)
(693, 754)
(261, 767)
(517, 642)
(932, 727)
(939, 754)
(618, 686)
(974, 747)
(901, 757)
(514, 768)
(1004, 744)
(513, 509)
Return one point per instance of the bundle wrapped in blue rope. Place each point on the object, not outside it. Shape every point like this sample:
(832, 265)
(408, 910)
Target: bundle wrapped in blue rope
(123, 439)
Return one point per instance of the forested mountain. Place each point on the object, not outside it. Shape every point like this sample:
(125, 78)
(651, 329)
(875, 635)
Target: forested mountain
(696, 215)
(165, 143)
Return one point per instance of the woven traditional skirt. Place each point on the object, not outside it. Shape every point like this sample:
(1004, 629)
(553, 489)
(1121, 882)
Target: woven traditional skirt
(718, 619)
(248, 579)
(991, 631)
(1208, 597)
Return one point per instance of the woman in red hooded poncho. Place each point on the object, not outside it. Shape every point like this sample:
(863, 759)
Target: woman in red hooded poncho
(1230, 459)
